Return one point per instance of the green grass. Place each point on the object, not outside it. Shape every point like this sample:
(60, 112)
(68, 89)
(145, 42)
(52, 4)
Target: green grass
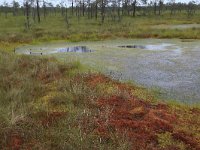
(45, 104)
(42, 103)
(53, 27)
(165, 140)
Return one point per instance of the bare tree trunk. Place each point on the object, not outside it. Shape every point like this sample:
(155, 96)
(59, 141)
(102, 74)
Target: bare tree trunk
(27, 16)
(118, 9)
(72, 7)
(66, 17)
(88, 11)
(76, 11)
(160, 7)
(44, 9)
(79, 11)
(38, 11)
(118, 12)
(83, 8)
(134, 7)
(91, 10)
(155, 8)
(33, 14)
(102, 11)
(96, 10)
(54, 11)
(122, 7)
(125, 7)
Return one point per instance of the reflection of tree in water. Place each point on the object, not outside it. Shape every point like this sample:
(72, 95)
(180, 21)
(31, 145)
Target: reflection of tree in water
(77, 49)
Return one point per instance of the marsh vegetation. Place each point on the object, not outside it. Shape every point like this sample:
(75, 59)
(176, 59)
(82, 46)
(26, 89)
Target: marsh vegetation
(99, 75)
(162, 64)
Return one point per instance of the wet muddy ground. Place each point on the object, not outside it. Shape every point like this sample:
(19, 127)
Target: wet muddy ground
(172, 66)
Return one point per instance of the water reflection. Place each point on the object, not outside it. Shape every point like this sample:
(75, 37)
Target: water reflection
(76, 49)
(152, 47)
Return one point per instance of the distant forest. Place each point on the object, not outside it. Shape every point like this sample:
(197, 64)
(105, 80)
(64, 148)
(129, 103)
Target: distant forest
(99, 9)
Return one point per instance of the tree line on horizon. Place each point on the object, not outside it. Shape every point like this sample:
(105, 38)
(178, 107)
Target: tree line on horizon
(97, 9)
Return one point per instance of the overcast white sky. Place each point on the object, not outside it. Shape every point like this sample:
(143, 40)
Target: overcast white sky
(58, 1)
